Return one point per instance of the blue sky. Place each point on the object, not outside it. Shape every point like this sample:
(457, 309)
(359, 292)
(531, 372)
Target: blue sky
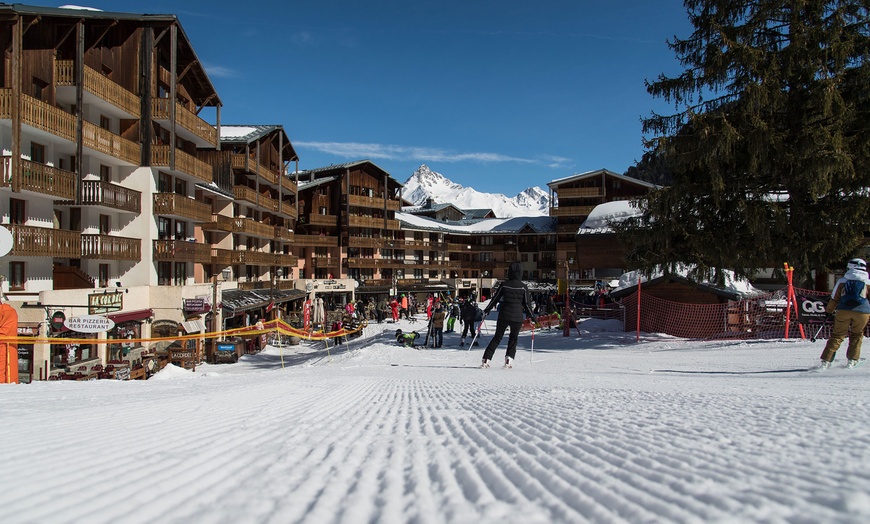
(495, 95)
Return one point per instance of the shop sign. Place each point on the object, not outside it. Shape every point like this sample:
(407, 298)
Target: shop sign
(465, 283)
(226, 347)
(331, 284)
(165, 325)
(195, 305)
(28, 331)
(89, 324)
(181, 354)
(100, 303)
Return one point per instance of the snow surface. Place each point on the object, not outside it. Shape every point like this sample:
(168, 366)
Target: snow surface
(591, 428)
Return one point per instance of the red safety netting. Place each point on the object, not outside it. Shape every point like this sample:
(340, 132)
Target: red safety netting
(761, 316)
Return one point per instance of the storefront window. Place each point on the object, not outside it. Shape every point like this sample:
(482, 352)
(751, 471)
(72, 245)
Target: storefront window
(125, 332)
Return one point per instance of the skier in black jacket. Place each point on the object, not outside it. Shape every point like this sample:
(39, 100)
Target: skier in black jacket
(514, 298)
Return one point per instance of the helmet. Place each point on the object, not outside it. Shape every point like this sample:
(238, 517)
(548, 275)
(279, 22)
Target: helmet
(398, 333)
(857, 263)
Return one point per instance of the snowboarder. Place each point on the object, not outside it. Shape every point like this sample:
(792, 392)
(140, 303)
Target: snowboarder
(852, 311)
(514, 298)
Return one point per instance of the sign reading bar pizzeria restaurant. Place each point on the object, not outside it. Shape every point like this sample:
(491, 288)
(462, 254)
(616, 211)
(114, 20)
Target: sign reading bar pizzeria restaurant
(89, 324)
(100, 303)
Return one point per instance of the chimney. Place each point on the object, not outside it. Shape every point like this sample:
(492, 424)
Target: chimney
(429, 202)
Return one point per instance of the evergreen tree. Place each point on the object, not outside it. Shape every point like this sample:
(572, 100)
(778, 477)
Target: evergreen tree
(770, 142)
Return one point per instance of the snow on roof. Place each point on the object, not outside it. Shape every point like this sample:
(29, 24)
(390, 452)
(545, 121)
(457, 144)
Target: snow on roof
(602, 215)
(489, 225)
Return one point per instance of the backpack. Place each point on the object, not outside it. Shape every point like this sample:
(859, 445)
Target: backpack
(852, 290)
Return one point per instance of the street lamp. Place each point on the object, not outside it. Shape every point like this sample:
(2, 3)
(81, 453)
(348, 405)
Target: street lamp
(278, 275)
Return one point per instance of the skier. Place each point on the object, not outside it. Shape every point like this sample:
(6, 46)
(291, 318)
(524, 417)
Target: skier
(514, 298)
(394, 308)
(454, 313)
(468, 317)
(852, 311)
(438, 324)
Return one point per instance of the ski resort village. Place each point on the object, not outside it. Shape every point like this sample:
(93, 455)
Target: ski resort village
(197, 325)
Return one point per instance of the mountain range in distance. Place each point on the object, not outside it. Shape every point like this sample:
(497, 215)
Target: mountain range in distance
(425, 184)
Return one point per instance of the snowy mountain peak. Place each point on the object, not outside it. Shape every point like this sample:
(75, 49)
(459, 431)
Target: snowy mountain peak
(426, 184)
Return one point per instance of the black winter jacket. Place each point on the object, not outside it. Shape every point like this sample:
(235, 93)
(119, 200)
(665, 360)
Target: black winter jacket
(513, 295)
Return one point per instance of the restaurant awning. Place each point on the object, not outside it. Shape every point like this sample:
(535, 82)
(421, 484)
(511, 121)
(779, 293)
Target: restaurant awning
(129, 316)
(243, 300)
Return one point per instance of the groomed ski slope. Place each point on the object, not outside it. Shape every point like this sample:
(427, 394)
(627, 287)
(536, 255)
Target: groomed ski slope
(597, 428)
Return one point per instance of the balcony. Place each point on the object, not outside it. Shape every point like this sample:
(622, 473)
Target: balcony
(29, 241)
(256, 258)
(366, 242)
(283, 234)
(373, 202)
(258, 199)
(315, 241)
(184, 163)
(571, 211)
(39, 178)
(173, 204)
(181, 251)
(193, 128)
(106, 247)
(580, 192)
(288, 209)
(219, 223)
(99, 86)
(243, 162)
(247, 226)
(50, 119)
(316, 219)
(362, 262)
(372, 222)
(106, 194)
(285, 260)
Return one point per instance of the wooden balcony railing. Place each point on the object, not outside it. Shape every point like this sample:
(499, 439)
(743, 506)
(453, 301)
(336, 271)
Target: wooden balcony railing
(373, 202)
(316, 219)
(285, 260)
(50, 119)
(571, 211)
(99, 139)
(224, 257)
(377, 223)
(30, 241)
(290, 185)
(160, 110)
(256, 258)
(181, 206)
(219, 223)
(99, 193)
(288, 209)
(366, 242)
(107, 247)
(284, 234)
(251, 227)
(39, 178)
(99, 86)
(580, 192)
(250, 195)
(241, 161)
(184, 162)
(315, 241)
(181, 251)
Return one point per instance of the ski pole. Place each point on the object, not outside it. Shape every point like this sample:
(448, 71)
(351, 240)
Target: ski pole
(533, 343)
(814, 337)
(476, 334)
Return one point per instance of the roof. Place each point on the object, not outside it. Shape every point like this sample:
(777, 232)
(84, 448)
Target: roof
(727, 293)
(340, 168)
(308, 184)
(599, 220)
(243, 300)
(205, 94)
(477, 213)
(598, 172)
(490, 225)
(247, 134)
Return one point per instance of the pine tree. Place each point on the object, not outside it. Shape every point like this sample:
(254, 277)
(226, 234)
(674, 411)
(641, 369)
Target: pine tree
(770, 142)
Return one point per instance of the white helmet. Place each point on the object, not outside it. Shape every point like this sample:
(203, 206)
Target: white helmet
(857, 263)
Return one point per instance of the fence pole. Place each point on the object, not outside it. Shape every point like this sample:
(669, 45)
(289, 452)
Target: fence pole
(638, 307)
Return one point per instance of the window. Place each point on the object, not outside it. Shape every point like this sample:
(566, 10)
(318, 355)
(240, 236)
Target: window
(103, 275)
(105, 173)
(180, 230)
(75, 219)
(37, 153)
(181, 186)
(164, 183)
(322, 210)
(105, 224)
(105, 123)
(164, 276)
(39, 88)
(16, 276)
(17, 211)
(163, 228)
(180, 273)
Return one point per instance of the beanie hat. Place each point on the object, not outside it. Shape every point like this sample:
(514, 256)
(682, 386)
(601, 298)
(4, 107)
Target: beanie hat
(857, 263)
